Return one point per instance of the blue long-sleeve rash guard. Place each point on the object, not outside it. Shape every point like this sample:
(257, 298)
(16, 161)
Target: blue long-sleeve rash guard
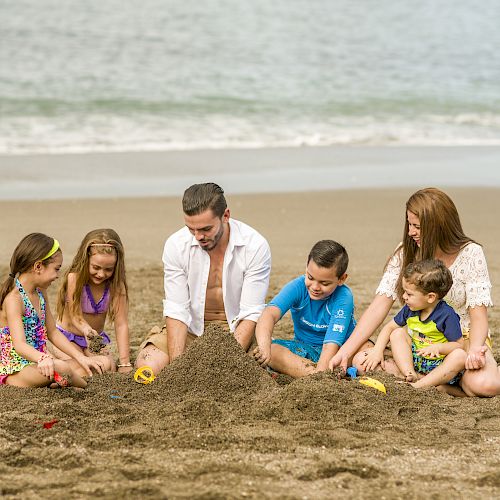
(317, 322)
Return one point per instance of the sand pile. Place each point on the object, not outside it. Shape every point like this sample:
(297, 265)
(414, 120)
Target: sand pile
(214, 367)
(216, 381)
(346, 404)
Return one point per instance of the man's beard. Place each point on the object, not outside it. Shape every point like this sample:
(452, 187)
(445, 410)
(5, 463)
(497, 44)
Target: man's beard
(216, 239)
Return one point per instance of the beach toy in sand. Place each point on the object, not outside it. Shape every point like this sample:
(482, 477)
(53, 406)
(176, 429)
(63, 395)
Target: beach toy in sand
(50, 424)
(61, 380)
(375, 384)
(144, 375)
(352, 372)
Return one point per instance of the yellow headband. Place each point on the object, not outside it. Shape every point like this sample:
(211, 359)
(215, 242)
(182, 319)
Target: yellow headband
(53, 250)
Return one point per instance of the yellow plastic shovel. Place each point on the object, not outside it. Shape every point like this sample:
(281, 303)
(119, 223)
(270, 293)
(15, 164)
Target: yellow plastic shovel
(375, 384)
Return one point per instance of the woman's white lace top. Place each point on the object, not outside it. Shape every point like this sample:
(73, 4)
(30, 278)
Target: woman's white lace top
(471, 282)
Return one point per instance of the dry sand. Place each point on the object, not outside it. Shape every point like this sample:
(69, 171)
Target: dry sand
(214, 425)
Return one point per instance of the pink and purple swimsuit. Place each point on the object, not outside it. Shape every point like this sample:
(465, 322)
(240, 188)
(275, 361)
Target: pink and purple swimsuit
(89, 306)
(34, 330)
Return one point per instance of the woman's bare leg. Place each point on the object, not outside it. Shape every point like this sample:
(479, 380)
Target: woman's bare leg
(484, 382)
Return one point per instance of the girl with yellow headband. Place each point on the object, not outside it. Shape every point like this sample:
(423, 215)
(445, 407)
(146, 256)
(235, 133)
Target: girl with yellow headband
(26, 322)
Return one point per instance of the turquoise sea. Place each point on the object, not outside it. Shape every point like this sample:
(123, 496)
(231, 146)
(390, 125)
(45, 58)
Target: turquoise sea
(154, 75)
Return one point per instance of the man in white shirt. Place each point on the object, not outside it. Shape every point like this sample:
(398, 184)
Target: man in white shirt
(216, 269)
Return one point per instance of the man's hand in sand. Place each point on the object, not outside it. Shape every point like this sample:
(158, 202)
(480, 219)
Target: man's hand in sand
(476, 358)
(262, 354)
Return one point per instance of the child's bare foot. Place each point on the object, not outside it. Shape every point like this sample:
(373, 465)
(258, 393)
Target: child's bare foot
(411, 377)
(62, 380)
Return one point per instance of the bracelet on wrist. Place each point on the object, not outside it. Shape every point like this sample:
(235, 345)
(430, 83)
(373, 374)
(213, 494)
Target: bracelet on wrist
(44, 355)
(124, 365)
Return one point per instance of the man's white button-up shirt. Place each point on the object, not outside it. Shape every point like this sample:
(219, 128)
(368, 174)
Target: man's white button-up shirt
(245, 277)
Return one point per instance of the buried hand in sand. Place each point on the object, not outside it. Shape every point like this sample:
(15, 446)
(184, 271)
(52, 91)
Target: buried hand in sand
(26, 322)
(196, 258)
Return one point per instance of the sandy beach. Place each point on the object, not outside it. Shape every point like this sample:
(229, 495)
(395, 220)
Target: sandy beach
(319, 119)
(226, 429)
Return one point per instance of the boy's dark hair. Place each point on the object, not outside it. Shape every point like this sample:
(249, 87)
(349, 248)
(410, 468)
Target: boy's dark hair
(200, 197)
(429, 276)
(329, 253)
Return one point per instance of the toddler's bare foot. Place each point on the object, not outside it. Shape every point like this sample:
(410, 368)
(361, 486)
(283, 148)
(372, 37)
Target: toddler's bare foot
(411, 377)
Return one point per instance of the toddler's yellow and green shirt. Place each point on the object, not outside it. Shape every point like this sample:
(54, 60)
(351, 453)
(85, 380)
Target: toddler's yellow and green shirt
(442, 325)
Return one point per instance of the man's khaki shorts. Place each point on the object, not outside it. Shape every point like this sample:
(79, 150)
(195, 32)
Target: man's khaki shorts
(158, 336)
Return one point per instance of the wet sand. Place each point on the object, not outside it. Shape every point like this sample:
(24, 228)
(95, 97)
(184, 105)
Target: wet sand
(213, 424)
(259, 170)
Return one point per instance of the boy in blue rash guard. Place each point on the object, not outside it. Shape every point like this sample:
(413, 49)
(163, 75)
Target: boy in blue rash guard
(322, 309)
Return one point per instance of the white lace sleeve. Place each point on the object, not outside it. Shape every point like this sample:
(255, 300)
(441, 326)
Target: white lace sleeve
(387, 285)
(474, 271)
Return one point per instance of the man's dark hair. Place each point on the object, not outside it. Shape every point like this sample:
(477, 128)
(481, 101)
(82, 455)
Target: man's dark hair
(200, 197)
(329, 253)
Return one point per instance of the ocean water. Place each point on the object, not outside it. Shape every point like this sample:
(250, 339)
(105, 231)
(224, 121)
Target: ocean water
(154, 75)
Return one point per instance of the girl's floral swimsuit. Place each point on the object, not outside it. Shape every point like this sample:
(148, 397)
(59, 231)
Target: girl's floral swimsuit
(34, 330)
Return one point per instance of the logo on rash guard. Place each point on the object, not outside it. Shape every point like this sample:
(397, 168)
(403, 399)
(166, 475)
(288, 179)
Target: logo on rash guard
(338, 328)
(340, 314)
(313, 325)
